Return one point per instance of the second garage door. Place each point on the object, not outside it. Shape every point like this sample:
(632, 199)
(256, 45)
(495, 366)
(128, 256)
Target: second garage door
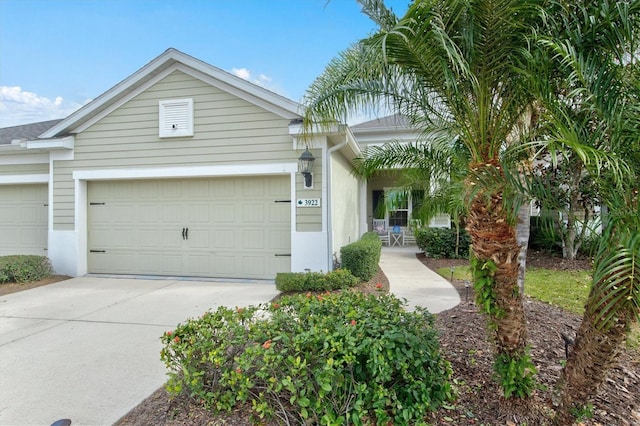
(23, 219)
(225, 227)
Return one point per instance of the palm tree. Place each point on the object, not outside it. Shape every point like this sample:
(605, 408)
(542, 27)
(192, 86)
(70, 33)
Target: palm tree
(453, 68)
(593, 105)
(612, 306)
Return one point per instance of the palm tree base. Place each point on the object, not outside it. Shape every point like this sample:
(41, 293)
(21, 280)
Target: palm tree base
(594, 353)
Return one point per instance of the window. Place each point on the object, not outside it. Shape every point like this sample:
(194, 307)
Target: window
(399, 212)
(175, 118)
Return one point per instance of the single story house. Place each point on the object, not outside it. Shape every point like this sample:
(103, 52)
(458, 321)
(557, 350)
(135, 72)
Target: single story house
(183, 169)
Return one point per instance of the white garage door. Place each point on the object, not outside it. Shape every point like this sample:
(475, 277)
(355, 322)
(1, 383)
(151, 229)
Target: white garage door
(223, 227)
(23, 219)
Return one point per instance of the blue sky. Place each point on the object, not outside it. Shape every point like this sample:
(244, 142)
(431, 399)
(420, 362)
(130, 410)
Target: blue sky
(57, 55)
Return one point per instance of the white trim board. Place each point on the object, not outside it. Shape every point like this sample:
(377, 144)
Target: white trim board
(23, 179)
(186, 172)
(30, 158)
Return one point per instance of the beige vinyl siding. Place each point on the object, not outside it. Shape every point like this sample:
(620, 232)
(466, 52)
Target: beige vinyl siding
(309, 219)
(64, 194)
(344, 202)
(227, 130)
(24, 169)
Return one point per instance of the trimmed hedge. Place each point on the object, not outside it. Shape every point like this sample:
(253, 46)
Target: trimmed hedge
(361, 258)
(441, 242)
(24, 268)
(315, 281)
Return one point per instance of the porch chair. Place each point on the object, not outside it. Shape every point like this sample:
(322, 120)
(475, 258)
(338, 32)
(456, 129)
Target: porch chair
(380, 227)
(410, 231)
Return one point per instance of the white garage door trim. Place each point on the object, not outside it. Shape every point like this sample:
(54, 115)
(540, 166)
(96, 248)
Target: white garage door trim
(81, 177)
(186, 172)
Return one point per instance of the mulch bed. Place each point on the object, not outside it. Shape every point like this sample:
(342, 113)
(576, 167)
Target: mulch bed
(8, 288)
(464, 342)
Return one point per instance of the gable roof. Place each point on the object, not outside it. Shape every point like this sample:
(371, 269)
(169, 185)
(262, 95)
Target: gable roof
(390, 121)
(385, 129)
(168, 61)
(25, 131)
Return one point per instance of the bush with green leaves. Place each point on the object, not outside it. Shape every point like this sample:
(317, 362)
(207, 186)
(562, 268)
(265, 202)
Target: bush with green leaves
(334, 358)
(442, 242)
(24, 268)
(543, 234)
(361, 258)
(315, 281)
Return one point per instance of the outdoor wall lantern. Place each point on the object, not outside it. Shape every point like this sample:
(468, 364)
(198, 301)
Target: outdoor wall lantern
(305, 165)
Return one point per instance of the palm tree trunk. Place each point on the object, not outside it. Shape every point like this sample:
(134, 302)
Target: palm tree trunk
(494, 239)
(495, 274)
(593, 353)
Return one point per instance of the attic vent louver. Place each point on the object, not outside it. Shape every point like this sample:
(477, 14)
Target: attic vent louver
(176, 118)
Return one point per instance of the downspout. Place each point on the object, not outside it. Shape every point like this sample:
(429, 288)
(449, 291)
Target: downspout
(330, 151)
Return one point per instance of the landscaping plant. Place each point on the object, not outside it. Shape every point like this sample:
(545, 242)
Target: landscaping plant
(315, 281)
(361, 258)
(443, 242)
(330, 359)
(24, 268)
(455, 71)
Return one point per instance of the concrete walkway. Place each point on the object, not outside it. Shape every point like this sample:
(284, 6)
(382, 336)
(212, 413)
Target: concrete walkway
(409, 279)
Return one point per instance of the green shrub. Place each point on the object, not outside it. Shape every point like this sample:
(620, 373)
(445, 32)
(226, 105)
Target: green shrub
(590, 244)
(544, 235)
(342, 358)
(442, 242)
(24, 268)
(341, 279)
(361, 258)
(315, 281)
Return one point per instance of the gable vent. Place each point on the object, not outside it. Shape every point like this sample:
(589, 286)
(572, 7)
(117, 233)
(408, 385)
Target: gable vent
(176, 118)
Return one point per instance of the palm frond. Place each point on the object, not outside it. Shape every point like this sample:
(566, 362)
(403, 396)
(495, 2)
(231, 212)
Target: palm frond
(616, 280)
(378, 12)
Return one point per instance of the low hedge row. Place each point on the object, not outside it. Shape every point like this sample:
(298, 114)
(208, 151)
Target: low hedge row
(361, 258)
(24, 268)
(315, 281)
(441, 242)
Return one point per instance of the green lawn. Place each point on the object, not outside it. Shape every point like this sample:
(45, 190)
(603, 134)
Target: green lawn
(565, 289)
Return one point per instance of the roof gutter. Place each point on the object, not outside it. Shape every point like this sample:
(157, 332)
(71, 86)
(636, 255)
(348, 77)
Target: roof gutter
(52, 144)
(65, 143)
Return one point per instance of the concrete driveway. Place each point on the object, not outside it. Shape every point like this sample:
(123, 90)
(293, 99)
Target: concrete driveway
(88, 348)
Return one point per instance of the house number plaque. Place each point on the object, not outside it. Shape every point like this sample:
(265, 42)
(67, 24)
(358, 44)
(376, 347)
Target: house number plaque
(308, 202)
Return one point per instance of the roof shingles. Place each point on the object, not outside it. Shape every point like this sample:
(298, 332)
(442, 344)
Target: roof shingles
(26, 131)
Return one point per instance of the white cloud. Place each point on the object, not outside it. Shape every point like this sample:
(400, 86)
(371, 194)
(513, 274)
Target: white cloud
(21, 107)
(264, 78)
(261, 80)
(243, 73)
